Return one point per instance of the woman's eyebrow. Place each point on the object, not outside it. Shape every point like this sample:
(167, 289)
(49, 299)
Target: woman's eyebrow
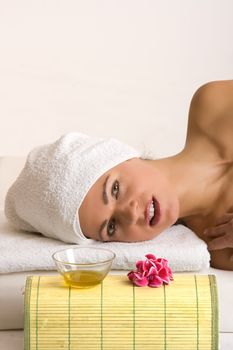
(105, 200)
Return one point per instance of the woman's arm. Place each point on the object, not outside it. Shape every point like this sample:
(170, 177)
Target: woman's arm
(221, 235)
(221, 259)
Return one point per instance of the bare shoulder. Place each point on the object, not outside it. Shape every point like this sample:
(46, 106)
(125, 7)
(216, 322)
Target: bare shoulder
(215, 96)
(211, 115)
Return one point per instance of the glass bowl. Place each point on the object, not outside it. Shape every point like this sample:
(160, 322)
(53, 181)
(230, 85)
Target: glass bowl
(83, 267)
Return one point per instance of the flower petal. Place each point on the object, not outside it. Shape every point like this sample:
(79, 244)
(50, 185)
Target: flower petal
(162, 261)
(131, 275)
(150, 256)
(159, 266)
(155, 282)
(139, 265)
(153, 271)
(141, 282)
(164, 275)
(137, 278)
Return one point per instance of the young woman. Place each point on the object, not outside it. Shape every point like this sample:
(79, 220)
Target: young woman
(80, 189)
(138, 199)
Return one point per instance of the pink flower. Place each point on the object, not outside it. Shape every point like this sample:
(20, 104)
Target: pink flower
(151, 272)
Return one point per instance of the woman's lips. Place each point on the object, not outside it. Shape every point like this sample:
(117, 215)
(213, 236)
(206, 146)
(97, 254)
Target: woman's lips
(157, 215)
(148, 212)
(157, 212)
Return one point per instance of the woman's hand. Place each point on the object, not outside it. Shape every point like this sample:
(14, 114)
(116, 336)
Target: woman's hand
(221, 235)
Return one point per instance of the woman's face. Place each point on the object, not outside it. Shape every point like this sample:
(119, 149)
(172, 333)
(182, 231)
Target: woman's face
(119, 206)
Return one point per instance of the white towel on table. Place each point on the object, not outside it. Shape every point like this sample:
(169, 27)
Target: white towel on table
(24, 251)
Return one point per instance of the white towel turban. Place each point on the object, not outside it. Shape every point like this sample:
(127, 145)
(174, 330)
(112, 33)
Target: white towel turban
(56, 177)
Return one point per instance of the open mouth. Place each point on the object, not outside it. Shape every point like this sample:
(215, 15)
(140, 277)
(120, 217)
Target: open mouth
(153, 212)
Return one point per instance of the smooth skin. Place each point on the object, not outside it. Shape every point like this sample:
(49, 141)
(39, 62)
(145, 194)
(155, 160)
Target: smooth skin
(195, 185)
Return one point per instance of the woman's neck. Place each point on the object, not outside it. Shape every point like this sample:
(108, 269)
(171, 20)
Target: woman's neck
(197, 184)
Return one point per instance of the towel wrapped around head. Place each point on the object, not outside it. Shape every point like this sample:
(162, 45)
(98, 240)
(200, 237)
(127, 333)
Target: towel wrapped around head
(56, 177)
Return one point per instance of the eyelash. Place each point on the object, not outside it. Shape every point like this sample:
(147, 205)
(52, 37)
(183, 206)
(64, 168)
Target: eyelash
(116, 182)
(112, 222)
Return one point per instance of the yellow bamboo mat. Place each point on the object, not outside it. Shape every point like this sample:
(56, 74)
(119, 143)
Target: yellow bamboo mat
(117, 315)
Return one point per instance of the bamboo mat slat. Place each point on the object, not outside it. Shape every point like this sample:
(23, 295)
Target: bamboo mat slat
(117, 315)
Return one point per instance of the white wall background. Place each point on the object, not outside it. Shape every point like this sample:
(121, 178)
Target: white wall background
(121, 68)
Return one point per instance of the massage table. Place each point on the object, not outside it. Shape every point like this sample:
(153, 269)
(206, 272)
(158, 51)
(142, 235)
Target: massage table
(12, 284)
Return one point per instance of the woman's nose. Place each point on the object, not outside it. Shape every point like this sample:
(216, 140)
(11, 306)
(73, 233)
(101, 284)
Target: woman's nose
(130, 212)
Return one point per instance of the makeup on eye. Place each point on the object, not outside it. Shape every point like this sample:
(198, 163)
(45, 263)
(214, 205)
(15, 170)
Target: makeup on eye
(111, 226)
(115, 187)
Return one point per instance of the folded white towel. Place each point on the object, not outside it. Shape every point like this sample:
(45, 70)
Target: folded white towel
(23, 251)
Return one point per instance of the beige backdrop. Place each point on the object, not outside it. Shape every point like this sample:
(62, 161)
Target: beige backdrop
(123, 68)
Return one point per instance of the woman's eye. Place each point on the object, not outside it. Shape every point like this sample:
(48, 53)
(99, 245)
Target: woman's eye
(111, 227)
(115, 189)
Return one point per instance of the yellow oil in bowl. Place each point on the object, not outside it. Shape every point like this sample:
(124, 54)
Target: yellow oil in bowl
(83, 278)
